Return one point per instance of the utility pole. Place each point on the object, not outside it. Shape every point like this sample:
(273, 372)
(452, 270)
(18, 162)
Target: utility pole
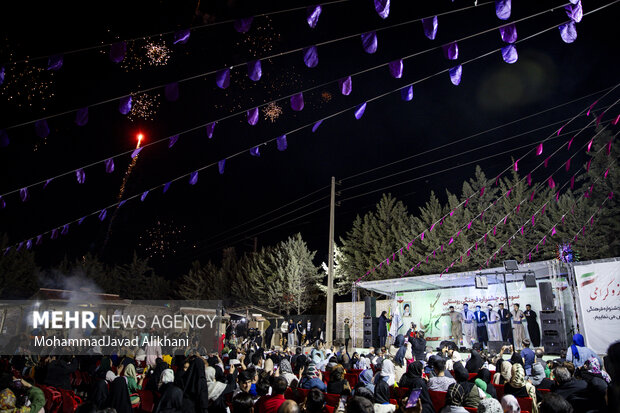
(329, 319)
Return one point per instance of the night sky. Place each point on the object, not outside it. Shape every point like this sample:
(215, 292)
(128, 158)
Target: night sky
(549, 72)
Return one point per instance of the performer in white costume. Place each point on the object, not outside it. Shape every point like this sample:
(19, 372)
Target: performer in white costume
(493, 324)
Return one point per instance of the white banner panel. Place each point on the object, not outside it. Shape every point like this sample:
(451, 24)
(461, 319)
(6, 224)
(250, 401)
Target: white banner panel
(598, 285)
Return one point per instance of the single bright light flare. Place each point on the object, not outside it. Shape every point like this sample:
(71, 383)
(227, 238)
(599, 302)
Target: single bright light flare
(140, 137)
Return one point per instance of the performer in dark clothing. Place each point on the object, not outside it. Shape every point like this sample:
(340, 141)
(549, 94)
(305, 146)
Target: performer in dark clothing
(532, 325)
(268, 336)
(383, 320)
(504, 319)
(481, 326)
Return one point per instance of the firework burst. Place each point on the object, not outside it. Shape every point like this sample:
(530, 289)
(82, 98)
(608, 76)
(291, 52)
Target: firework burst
(272, 111)
(144, 106)
(162, 240)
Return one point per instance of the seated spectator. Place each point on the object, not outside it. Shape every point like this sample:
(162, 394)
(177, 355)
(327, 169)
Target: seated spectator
(315, 402)
(289, 406)
(245, 379)
(519, 387)
(312, 379)
(59, 372)
(517, 359)
(597, 381)
(118, 397)
(510, 404)
(286, 371)
(490, 406)
(8, 403)
(472, 392)
(171, 400)
(440, 382)
(504, 373)
(567, 386)
(134, 383)
(366, 380)
(483, 381)
(271, 404)
(359, 405)
(337, 383)
(578, 353)
(413, 380)
(455, 397)
(553, 403)
(538, 378)
(382, 395)
(474, 363)
(243, 403)
(365, 392)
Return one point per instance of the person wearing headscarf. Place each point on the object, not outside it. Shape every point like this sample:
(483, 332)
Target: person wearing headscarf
(413, 380)
(104, 366)
(99, 392)
(474, 363)
(472, 393)
(118, 396)
(286, 371)
(387, 372)
(382, 394)
(578, 353)
(171, 400)
(538, 377)
(363, 363)
(365, 378)
(455, 397)
(490, 406)
(193, 382)
(597, 380)
(153, 382)
(337, 383)
(217, 390)
(510, 404)
(35, 395)
(312, 379)
(355, 358)
(133, 383)
(519, 387)
(483, 381)
(401, 352)
(504, 372)
(517, 359)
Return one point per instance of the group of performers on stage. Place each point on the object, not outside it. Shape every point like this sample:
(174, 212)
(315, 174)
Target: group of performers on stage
(494, 325)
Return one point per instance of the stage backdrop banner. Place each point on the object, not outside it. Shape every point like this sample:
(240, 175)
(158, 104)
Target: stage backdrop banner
(598, 285)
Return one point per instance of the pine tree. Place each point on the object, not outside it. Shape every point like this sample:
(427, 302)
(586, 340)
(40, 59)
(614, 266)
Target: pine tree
(193, 285)
(300, 272)
(342, 285)
(18, 272)
(139, 273)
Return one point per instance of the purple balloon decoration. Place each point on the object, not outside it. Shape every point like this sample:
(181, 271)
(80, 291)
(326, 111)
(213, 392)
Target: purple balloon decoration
(136, 152)
(316, 125)
(312, 15)
(80, 175)
(382, 7)
(144, 194)
(65, 229)
(166, 187)
(220, 166)
(281, 143)
(345, 85)
(430, 27)
(297, 102)
(451, 51)
(369, 42)
(406, 93)
(81, 117)
(181, 37)
(222, 78)
(2, 203)
(23, 194)
(173, 140)
(125, 105)
(575, 11)
(2, 75)
(4, 139)
(311, 56)
(359, 111)
(396, 68)
(171, 91)
(568, 32)
(502, 9)
(193, 178)
(109, 165)
(243, 25)
(509, 54)
(41, 128)
(103, 214)
(118, 51)
(54, 62)
(508, 33)
(210, 129)
(254, 70)
(253, 116)
(455, 74)
(255, 151)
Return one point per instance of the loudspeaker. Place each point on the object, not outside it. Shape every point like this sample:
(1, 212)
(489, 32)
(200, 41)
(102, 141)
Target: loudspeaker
(530, 280)
(553, 336)
(371, 327)
(546, 296)
(370, 306)
(496, 346)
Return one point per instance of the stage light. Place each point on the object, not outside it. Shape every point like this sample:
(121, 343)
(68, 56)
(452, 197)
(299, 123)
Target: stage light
(511, 265)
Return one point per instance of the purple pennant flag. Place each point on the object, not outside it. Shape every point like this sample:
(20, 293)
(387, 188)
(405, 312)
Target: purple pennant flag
(567, 165)
(516, 167)
(422, 236)
(382, 7)
(281, 143)
(482, 191)
(516, 212)
(54, 62)
(508, 33)
(136, 152)
(80, 175)
(369, 42)
(255, 70)
(455, 75)
(144, 194)
(125, 105)
(81, 220)
(243, 25)
(23, 194)
(19, 246)
(588, 165)
(575, 11)
(345, 85)
(54, 233)
(406, 93)
(166, 187)
(65, 229)
(451, 51)
(193, 178)
(222, 78)
(253, 116)
(118, 51)
(359, 112)
(570, 143)
(81, 117)
(39, 239)
(297, 102)
(533, 219)
(589, 145)
(591, 107)
(539, 149)
(29, 244)
(508, 193)
(396, 68)
(2, 203)
(532, 195)
(502, 9)
(529, 179)
(551, 182)
(181, 37)
(572, 182)
(103, 214)
(312, 15)
(547, 161)
(509, 54)
(255, 151)
(109, 165)
(608, 150)
(220, 166)
(210, 129)
(4, 139)
(316, 125)
(311, 56)
(568, 32)
(172, 141)
(41, 128)
(120, 204)
(430, 27)
(2, 75)
(171, 91)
